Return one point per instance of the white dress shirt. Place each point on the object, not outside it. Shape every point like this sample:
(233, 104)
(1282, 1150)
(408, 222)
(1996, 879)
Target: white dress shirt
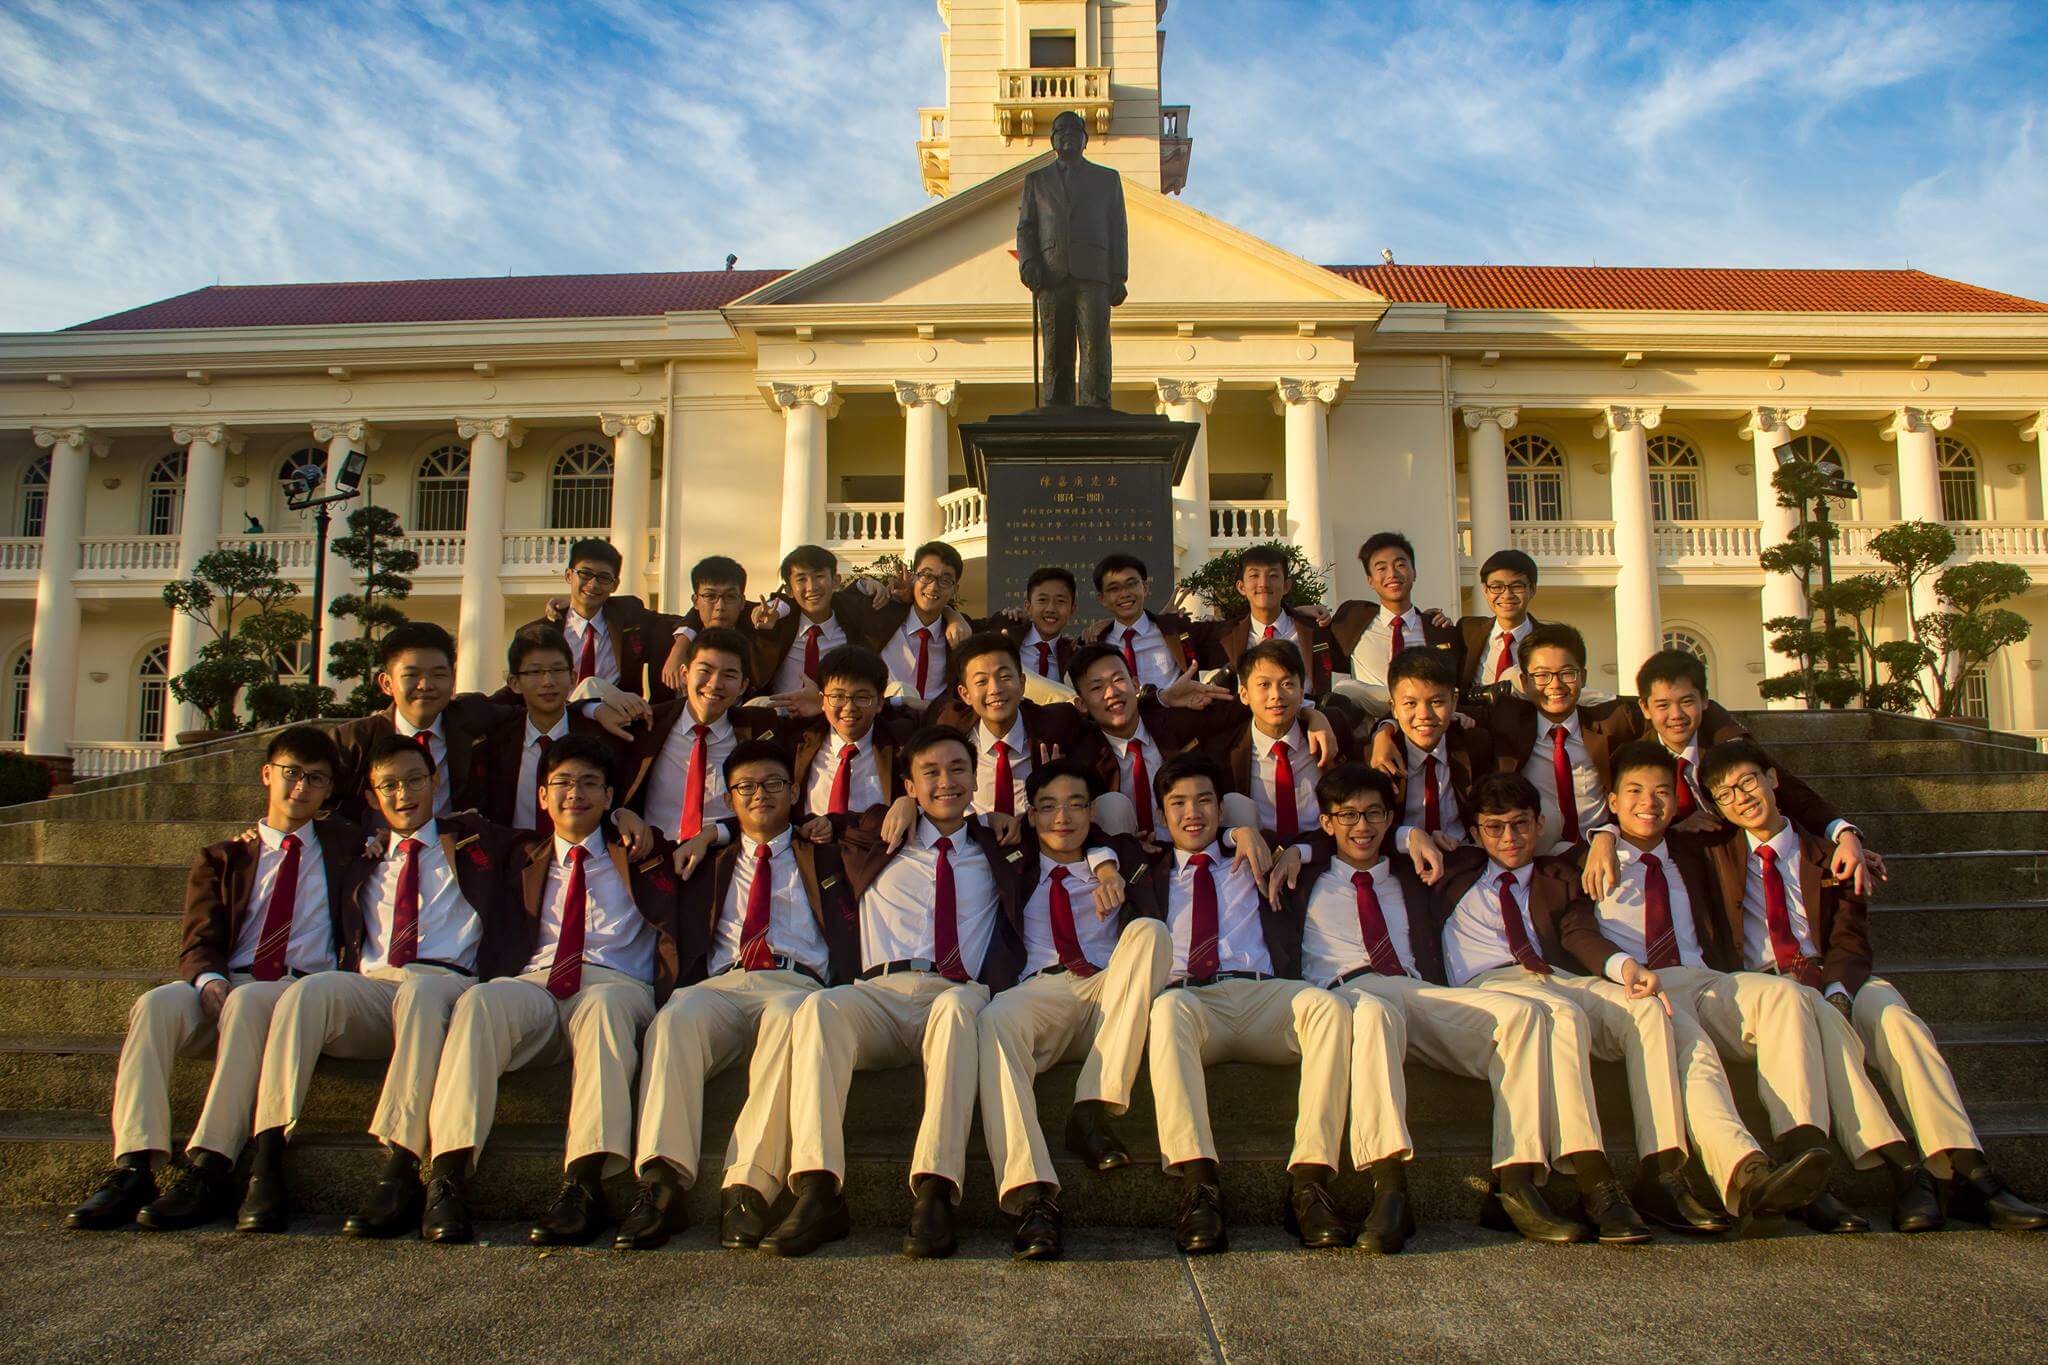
(1265, 793)
(576, 626)
(1155, 657)
(1756, 933)
(896, 914)
(1415, 808)
(1096, 936)
(1482, 667)
(1474, 940)
(1374, 650)
(437, 742)
(901, 656)
(449, 928)
(1029, 649)
(1019, 745)
(1240, 941)
(1624, 910)
(790, 676)
(792, 928)
(668, 785)
(863, 781)
(615, 934)
(1148, 748)
(311, 945)
(1332, 944)
(526, 800)
(1588, 791)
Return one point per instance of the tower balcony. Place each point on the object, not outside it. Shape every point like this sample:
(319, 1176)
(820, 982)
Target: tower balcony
(1176, 148)
(934, 152)
(1029, 98)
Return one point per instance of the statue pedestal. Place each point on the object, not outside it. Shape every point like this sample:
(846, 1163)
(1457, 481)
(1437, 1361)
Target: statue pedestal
(1067, 485)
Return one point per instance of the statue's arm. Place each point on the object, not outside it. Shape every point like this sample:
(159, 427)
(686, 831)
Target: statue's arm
(1119, 247)
(1028, 254)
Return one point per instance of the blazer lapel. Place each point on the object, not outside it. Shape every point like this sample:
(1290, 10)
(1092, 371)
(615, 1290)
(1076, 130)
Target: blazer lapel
(806, 854)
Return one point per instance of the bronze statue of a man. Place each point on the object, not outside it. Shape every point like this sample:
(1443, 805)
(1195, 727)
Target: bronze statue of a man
(1074, 257)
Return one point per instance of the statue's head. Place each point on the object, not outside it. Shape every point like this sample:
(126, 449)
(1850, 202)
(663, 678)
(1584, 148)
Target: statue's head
(1069, 134)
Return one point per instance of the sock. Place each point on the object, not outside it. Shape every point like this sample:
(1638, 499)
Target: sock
(1966, 1162)
(1200, 1171)
(133, 1161)
(1517, 1175)
(1590, 1170)
(1669, 1160)
(1388, 1175)
(269, 1149)
(1801, 1138)
(588, 1171)
(452, 1165)
(660, 1172)
(399, 1163)
(1306, 1175)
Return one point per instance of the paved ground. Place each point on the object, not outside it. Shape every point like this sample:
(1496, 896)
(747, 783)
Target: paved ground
(1458, 1293)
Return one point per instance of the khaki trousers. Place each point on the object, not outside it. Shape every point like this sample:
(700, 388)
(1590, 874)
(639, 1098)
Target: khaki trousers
(1097, 1020)
(396, 1012)
(1882, 1027)
(702, 1030)
(1492, 1035)
(514, 1022)
(167, 1023)
(1765, 1019)
(1276, 1023)
(889, 1021)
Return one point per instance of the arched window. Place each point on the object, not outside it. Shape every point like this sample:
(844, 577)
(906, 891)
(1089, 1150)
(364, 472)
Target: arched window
(1535, 480)
(35, 498)
(313, 455)
(440, 492)
(1820, 450)
(152, 694)
(580, 489)
(295, 667)
(1958, 467)
(1976, 702)
(163, 495)
(1674, 479)
(17, 698)
(1693, 643)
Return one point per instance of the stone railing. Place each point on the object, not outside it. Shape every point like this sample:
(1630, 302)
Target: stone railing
(1247, 521)
(1029, 98)
(536, 550)
(1564, 542)
(439, 551)
(293, 553)
(864, 525)
(1718, 541)
(963, 513)
(120, 555)
(106, 758)
(20, 557)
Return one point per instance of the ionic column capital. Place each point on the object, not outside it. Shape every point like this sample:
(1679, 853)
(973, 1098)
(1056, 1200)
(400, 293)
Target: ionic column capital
(354, 430)
(1916, 420)
(1504, 418)
(1289, 393)
(923, 393)
(506, 429)
(617, 423)
(209, 433)
(1181, 392)
(1773, 422)
(75, 438)
(790, 397)
(1620, 417)
(2035, 428)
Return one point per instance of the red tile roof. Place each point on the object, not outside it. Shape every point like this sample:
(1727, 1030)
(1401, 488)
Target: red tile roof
(1654, 289)
(1458, 286)
(474, 300)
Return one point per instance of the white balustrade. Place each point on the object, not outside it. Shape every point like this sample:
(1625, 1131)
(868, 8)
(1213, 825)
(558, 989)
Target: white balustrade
(864, 524)
(104, 759)
(1716, 541)
(20, 556)
(1564, 542)
(128, 554)
(963, 513)
(1247, 521)
(293, 553)
(438, 550)
(545, 549)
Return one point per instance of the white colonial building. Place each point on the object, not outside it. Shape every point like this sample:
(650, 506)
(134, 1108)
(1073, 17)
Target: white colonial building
(1618, 424)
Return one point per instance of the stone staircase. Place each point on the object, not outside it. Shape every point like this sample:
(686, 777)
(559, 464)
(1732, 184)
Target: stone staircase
(91, 884)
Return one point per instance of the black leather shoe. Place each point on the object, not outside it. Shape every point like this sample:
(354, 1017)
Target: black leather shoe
(819, 1217)
(1825, 1213)
(1666, 1197)
(203, 1191)
(656, 1215)
(1793, 1184)
(1038, 1229)
(1523, 1209)
(1090, 1137)
(1201, 1229)
(1614, 1218)
(931, 1235)
(446, 1220)
(267, 1206)
(1918, 1205)
(1984, 1198)
(395, 1209)
(123, 1192)
(744, 1217)
(1311, 1214)
(574, 1220)
(1390, 1223)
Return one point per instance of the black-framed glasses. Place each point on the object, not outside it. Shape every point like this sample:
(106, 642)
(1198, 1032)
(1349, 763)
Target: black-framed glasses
(588, 783)
(1349, 819)
(590, 577)
(552, 671)
(747, 789)
(392, 787)
(1570, 677)
(293, 776)
(1749, 784)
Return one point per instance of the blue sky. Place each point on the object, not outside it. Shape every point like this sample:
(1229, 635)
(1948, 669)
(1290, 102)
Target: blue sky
(147, 149)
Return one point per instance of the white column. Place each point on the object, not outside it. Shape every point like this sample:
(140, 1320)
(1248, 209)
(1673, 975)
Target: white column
(632, 491)
(1486, 484)
(1767, 429)
(206, 458)
(1306, 404)
(480, 621)
(53, 670)
(806, 408)
(1189, 400)
(341, 436)
(2035, 429)
(927, 454)
(1919, 476)
(1637, 620)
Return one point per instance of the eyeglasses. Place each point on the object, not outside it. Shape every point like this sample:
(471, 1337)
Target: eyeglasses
(769, 786)
(838, 698)
(1750, 784)
(556, 671)
(718, 595)
(1570, 677)
(1078, 805)
(927, 579)
(392, 787)
(1349, 819)
(1515, 589)
(1501, 829)
(589, 783)
(590, 577)
(315, 782)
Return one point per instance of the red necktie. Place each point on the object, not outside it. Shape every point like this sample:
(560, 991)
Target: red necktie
(1372, 927)
(1044, 659)
(693, 786)
(425, 739)
(1518, 937)
(924, 656)
(405, 910)
(1141, 784)
(586, 662)
(1268, 635)
(1203, 924)
(1286, 819)
(946, 917)
(542, 821)
(1561, 772)
(842, 781)
(1066, 941)
(1505, 664)
(1432, 799)
(1006, 795)
(277, 916)
(1778, 920)
(754, 954)
(565, 977)
(811, 653)
(1397, 639)
(1131, 652)
(1658, 931)
(1686, 805)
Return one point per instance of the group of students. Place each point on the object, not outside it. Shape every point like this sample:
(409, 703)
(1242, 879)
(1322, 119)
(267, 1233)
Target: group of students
(848, 828)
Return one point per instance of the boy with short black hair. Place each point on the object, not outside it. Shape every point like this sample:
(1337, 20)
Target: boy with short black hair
(616, 639)
(1368, 635)
(1262, 580)
(674, 771)
(1132, 731)
(416, 670)
(1435, 757)
(540, 671)
(1273, 753)
(718, 601)
(1011, 733)
(911, 636)
(788, 645)
(1508, 579)
(1560, 746)
(1050, 595)
(1157, 646)
(847, 758)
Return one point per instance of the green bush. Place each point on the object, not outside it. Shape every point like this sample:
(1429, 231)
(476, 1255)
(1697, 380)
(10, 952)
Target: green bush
(22, 779)
(1215, 581)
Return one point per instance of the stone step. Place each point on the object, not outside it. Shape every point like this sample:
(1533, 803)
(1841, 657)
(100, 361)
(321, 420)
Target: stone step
(80, 938)
(1954, 831)
(143, 800)
(102, 885)
(1807, 757)
(1928, 933)
(1965, 878)
(1860, 792)
(1797, 726)
(156, 843)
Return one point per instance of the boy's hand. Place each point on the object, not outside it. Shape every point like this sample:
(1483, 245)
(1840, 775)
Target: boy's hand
(1109, 890)
(765, 615)
(1701, 821)
(694, 850)
(1191, 692)
(1007, 828)
(212, 996)
(556, 611)
(1386, 754)
(1427, 857)
(677, 666)
(1603, 864)
(1640, 981)
(1322, 740)
(1856, 865)
(1253, 853)
(1319, 612)
(897, 824)
(957, 629)
(803, 700)
(1286, 872)
(1436, 617)
(633, 833)
(818, 829)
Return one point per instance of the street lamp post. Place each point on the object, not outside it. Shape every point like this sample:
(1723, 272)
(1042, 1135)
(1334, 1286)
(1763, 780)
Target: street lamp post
(302, 492)
(1835, 483)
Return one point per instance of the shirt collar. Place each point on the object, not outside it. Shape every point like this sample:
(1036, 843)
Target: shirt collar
(928, 833)
(428, 834)
(1628, 854)
(1214, 850)
(1265, 744)
(911, 626)
(1014, 737)
(777, 846)
(1570, 725)
(1412, 617)
(1122, 746)
(555, 731)
(1282, 625)
(585, 623)
(406, 729)
(1418, 756)
(1785, 841)
(1528, 624)
(593, 844)
(1522, 874)
(273, 839)
(720, 728)
(1144, 626)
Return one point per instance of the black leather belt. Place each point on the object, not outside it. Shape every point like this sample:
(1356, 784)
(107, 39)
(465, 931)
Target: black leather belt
(1357, 972)
(903, 964)
(780, 963)
(1220, 976)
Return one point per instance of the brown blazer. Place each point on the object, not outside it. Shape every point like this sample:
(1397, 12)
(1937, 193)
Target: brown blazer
(865, 856)
(1513, 723)
(470, 716)
(1551, 887)
(641, 640)
(1425, 942)
(1148, 890)
(223, 875)
(652, 881)
(833, 907)
(884, 741)
(1223, 643)
(1233, 748)
(1808, 809)
(1470, 756)
(1840, 919)
(487, 858)
(748, 722)
(1579, 927)
(1353, 619)
(1177, 629)
(503, 746)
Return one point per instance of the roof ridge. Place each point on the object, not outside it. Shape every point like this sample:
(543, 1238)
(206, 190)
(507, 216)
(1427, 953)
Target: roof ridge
(478, 279)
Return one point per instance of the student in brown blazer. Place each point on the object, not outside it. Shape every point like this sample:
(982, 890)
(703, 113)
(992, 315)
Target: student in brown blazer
(1157, 646)
(616, 639)
(1430, 754)
(1263, 582)
(1367, 635)
(1562, 747)
(849, 758)
(1790, 916)
(1278, 748)
(1011, 734)
(718, 600)
(590, 956)
(1040, 629)
(674, 775)
(539, 672)
(1490, 643)
(1132, 731)
(258, 914)
(813, 614)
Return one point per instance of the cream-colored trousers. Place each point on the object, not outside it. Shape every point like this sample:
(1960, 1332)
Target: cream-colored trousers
(1882, 1027)
(166, 1023)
